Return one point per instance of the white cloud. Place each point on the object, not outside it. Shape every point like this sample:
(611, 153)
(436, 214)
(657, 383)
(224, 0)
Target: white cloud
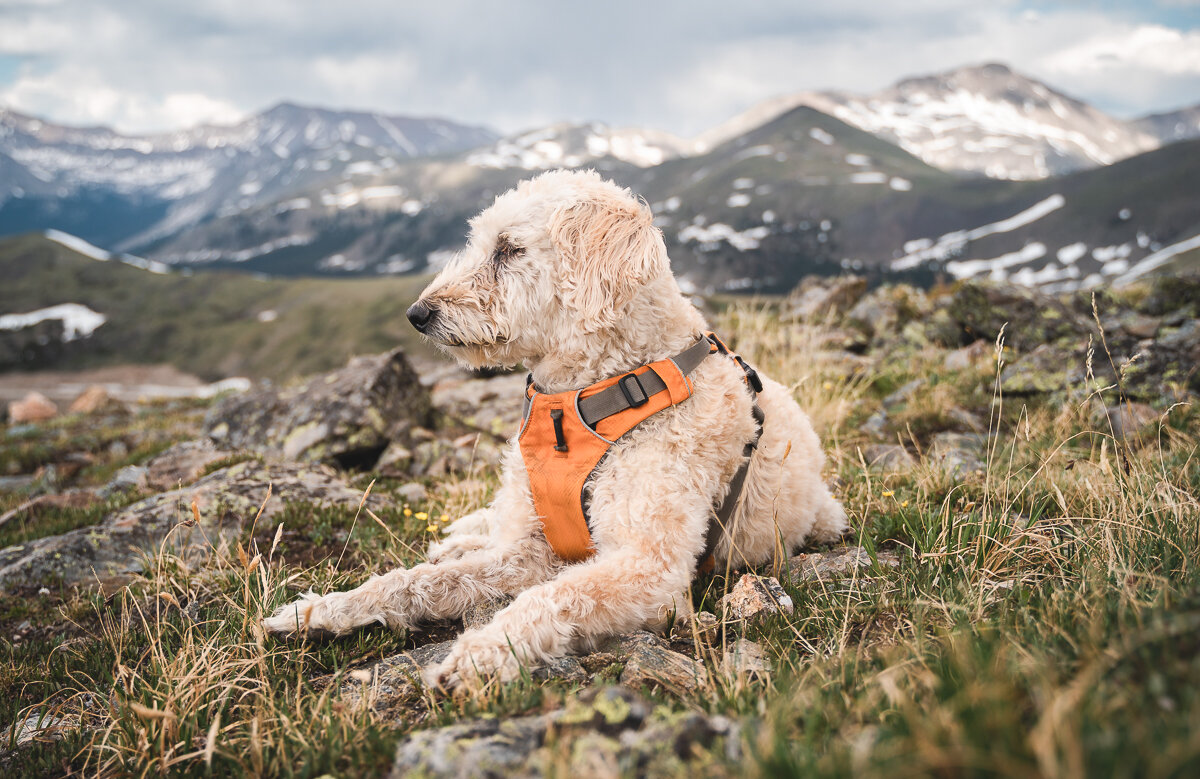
(149, 65)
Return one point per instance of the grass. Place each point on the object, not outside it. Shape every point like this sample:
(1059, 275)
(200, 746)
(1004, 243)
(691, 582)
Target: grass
(1044, 619)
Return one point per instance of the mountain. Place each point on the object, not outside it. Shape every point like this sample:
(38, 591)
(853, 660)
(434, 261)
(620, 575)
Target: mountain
(810, 183)
(804, 193)
(138, 189)
(1172, 126)
(573, 145)
(983, 119)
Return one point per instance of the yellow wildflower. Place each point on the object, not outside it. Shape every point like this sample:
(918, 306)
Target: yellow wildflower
(904, 505)
(431, 528)
(888, 493)
(407, 511)
(421, 515)
(444, 518)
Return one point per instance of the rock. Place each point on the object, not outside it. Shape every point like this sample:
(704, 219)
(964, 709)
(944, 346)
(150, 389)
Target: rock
(131, 477)
(606, 732)
(979, 309)
(744, 657)
(700, 627)
(902, 394)
(34, 407)
(1051, 368)
(182, 464)
(876, 425)
(94, 400)
(225, 501)
(346, 418)
(492, 404)
(42, 727)
(836, 563)
(412, 492)
(965, 420)
(395, 460)
(755, 596)
(977, 354)
(650, 660)
(888, 457)
(1167, 365)
(394, 684)
(1171, 293)
(822, 298)
(567, 669)
(479, 614)
(959, 453)
(1130, 420)
(886, 310)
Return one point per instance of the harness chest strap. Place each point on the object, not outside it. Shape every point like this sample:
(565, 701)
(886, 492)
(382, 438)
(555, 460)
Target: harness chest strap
(565, 435)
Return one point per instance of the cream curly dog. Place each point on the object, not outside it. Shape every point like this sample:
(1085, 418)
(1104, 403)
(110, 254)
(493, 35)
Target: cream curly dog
(568, 275)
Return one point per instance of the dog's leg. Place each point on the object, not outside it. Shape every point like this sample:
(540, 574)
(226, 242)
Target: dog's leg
(468, 533)
(614, 592)
(405, 596)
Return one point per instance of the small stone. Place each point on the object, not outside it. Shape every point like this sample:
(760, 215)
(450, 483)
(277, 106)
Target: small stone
(888, 457)
(744, 657)
(94, 399)
(975, 355)
(701, 626)
(412, 492)
(836, 563)
(130, 477)
(1130, 420)
(959, 453)
(34, 407)
(395, 460)
(671, 670)
(481, 614)
(903, 394)
(183, 463)
(756, 596)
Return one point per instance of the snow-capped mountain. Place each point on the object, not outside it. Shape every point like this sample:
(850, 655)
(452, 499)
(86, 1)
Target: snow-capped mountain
(572, 145)
(983, 119)
(180, 178)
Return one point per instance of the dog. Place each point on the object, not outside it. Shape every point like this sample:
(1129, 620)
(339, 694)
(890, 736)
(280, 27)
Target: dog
(567, 275)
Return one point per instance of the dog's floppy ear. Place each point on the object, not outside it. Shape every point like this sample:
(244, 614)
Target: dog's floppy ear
(608, 247)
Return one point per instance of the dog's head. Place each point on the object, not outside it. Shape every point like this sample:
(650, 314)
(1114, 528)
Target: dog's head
(557, 259)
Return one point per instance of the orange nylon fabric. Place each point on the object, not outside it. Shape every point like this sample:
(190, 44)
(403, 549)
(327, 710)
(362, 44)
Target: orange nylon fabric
(557, 478)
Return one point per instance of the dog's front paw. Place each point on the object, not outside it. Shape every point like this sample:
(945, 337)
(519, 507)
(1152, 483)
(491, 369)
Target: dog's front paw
(299, 617)
(476, 658)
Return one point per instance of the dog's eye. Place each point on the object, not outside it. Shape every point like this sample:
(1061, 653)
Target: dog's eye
(505, 250)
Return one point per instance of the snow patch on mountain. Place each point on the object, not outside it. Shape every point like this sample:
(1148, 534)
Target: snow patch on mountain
(925, 249)
(78, 320)
(76, 244)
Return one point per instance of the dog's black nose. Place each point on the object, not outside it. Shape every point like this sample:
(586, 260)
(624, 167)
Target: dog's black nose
(420, 315)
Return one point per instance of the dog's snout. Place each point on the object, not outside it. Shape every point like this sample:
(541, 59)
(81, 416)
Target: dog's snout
(420, 315)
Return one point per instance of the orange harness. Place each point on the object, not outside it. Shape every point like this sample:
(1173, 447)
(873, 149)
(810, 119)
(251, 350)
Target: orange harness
(565, 435)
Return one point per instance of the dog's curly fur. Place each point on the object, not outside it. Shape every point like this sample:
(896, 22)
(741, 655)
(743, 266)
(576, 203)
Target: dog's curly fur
(568, 275)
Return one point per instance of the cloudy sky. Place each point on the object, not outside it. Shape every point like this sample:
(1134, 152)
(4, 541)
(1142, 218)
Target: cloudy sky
(144, 65)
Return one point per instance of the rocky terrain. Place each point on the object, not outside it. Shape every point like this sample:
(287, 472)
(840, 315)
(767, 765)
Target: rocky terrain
(1019, 593)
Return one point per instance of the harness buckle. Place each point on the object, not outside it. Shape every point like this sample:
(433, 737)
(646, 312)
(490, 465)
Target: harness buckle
(621, 382)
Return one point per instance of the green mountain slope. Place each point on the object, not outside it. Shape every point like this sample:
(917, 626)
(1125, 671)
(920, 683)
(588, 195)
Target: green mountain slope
(208, 324)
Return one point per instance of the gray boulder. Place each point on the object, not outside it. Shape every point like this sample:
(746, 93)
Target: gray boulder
(111, 551)
(346, 418)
